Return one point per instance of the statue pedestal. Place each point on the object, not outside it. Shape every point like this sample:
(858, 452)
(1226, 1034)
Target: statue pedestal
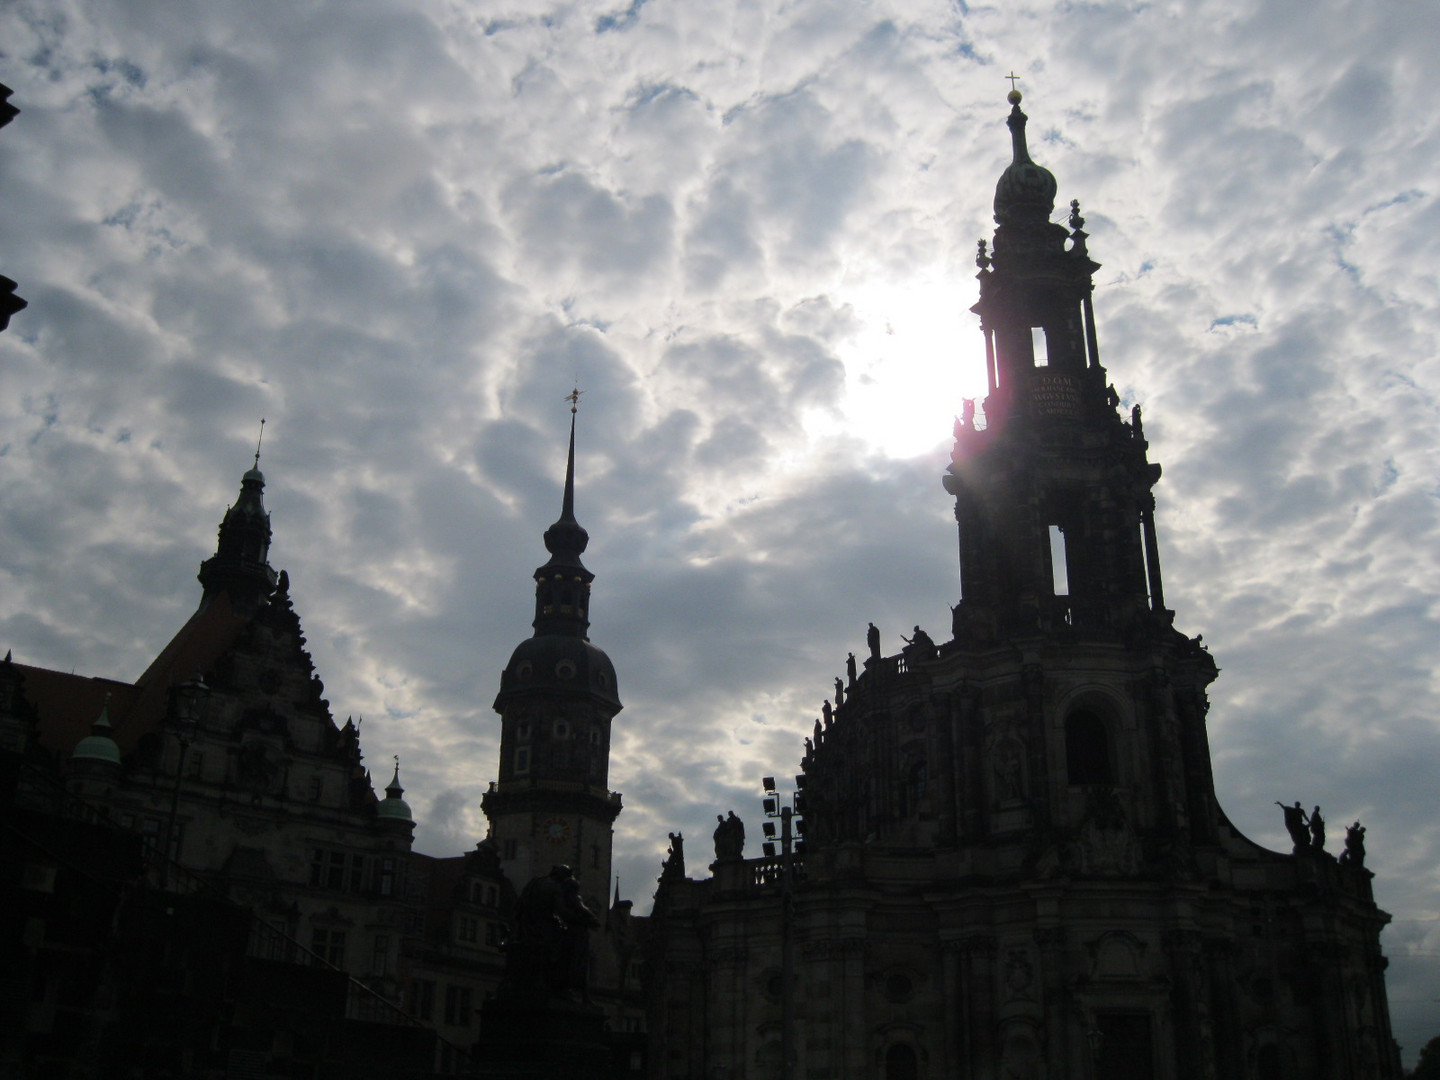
(550, 1040)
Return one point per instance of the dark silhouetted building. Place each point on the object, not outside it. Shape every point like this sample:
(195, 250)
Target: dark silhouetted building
(1014, 863)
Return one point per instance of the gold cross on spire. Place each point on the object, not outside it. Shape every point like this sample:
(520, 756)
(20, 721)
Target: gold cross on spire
(1013, 79)
(574, 398)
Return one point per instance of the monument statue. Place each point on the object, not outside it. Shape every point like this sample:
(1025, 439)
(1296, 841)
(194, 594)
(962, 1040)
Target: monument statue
(872, 639)
(549, 953)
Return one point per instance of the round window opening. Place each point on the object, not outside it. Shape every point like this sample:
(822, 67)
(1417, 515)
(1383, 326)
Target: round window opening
(899, 987)
(524, 672)
(565, 669)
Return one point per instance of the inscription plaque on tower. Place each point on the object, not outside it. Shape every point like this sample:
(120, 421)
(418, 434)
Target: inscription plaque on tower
(1055, 395)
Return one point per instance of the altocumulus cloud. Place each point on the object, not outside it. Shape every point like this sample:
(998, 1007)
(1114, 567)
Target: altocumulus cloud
(403, 234)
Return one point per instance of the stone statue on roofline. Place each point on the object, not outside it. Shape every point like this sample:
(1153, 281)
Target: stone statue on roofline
(729, 838)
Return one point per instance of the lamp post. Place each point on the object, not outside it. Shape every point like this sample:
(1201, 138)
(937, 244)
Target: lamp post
(187, 704)
(773, 804)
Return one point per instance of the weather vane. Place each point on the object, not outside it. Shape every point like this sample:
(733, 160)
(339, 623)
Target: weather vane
(574, 398)
(259, 441)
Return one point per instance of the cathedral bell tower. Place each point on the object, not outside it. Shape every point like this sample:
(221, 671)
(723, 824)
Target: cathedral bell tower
(1053, 492)
(1098, 712)
(557, 698)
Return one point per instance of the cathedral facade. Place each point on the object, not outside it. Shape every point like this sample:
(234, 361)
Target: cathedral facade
(1013, 862)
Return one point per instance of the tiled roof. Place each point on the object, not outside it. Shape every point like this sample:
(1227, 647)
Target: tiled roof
(67, 704)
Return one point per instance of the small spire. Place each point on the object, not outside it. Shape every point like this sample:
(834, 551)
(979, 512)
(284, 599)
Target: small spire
(562, 585)
(102, 724)
(567, 510)
(393, 790)
(240, 564)
(259, 441)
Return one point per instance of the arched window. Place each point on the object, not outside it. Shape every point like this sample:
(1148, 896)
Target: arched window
(913, 789)
(1087, 749)
(901, 1063)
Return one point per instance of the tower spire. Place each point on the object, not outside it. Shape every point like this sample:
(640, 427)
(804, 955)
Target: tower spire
(240, 565)
(567, 509)
(562, 585)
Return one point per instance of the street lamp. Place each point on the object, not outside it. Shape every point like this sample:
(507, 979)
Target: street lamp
(187, 706)
(775, 806)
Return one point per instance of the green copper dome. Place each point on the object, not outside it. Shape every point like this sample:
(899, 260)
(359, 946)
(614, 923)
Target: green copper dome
(393, 807)
(98, 745)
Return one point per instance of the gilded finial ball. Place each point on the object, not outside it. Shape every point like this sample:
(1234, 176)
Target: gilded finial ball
(1013, 97)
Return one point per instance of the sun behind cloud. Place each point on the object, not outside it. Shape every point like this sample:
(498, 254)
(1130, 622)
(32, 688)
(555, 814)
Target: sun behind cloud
(917, 353)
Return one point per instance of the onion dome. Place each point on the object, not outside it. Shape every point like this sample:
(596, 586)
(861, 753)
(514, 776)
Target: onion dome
(393, 807)
(98, 746)
(1026, 191)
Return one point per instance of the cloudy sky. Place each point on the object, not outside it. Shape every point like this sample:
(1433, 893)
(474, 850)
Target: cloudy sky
(402, 231)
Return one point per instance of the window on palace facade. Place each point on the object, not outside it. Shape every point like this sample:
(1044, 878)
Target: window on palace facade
(329, 945)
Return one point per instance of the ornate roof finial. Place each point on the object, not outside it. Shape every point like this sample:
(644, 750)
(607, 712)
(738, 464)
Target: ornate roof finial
(1026, 191)
(259, 441)
(1014, 95)
(1079, 235)
(574, 398)
(982, 257)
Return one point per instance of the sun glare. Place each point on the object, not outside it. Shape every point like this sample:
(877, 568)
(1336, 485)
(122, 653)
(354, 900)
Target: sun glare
(917, 354)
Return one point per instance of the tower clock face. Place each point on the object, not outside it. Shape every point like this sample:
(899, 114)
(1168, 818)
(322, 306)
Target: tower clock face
(556, 830)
